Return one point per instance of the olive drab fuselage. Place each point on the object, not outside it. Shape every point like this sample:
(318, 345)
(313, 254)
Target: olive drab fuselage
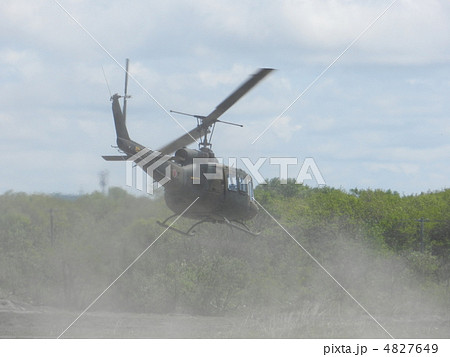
(222, 192)
(226, 196)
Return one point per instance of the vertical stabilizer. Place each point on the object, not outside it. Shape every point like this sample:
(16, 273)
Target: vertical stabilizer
(119, 119)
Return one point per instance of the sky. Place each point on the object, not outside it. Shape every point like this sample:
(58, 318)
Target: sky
(371, 113)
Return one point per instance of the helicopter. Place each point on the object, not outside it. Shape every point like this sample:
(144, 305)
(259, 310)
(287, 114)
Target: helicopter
(222, 194)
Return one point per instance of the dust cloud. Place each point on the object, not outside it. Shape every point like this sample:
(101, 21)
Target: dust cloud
(219, 283)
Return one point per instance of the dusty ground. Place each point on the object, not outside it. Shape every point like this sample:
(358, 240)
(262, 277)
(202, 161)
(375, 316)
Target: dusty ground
(18, 320)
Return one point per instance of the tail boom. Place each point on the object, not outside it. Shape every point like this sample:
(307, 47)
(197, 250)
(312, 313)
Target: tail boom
(119, 119)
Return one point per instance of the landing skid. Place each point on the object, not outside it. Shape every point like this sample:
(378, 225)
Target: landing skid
(242, 227)
(190, 232)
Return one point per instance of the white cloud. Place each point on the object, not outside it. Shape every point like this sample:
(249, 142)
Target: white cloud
(210, 78)
(404, 168)
(321, 124)
(414, 154)
(285, 128)
(409, 32)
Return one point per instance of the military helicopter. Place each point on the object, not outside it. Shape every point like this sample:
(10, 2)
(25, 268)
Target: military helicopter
(223, 194)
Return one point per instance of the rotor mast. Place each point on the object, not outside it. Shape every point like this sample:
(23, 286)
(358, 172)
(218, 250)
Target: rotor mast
(203, 128)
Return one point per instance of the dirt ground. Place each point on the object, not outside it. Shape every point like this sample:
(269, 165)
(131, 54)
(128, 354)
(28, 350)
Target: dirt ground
(19, 320)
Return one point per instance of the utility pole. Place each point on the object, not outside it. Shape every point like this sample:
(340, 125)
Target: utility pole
(422, 220)
(103, 180)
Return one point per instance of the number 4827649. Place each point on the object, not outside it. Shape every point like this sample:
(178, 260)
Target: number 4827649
(410, 348)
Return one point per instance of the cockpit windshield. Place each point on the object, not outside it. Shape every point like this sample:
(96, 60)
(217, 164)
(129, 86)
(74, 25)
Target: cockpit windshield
(241, 182)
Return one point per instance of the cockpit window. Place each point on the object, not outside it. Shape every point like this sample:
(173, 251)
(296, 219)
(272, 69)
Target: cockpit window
(232, 183)
(241, 184)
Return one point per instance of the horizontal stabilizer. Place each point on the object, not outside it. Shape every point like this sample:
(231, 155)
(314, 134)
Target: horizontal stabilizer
(115, 158)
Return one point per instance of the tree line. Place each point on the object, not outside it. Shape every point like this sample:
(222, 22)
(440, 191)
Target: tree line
(65, 250)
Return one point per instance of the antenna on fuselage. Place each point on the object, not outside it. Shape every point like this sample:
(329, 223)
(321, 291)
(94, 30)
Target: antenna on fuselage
(126, 96)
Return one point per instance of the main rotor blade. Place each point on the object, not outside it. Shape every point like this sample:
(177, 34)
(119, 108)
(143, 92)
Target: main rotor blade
(182, 141)
(236, 95)
(196, 133)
